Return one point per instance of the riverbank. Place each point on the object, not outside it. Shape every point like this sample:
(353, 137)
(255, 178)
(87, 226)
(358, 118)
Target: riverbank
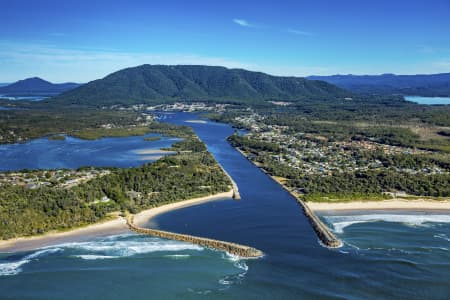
(394, 204)
(146, 215)
(110, 227)
(322, 231)
(153, 154)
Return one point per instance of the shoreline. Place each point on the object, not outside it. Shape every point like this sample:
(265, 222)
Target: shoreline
(154, 152)
(395, 204)
(145, 216)
(324, 234)
(101, 229)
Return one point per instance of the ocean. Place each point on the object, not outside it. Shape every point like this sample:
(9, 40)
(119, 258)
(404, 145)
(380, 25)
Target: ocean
(386, 255)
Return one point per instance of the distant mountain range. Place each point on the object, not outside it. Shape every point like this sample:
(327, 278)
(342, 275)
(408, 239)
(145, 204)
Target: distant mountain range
(160, 83)
(417, 85)
(36, 86)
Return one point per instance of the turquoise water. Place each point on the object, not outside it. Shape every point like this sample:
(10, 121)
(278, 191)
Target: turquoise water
(428, 100)
(387, 255)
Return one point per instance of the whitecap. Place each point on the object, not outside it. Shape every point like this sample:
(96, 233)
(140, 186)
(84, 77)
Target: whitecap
(239, 263)
(231, 257)
(125, 248)
(225, 282)
(177, 256)
(341, 222)
(442, 236)
(14, 268)
(95, 257)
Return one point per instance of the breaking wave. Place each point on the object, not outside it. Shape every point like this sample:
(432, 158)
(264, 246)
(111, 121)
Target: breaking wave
(13, 268)
(341, 222)
(177, 256)
(95, 257)
(114, 248)
(238, 263)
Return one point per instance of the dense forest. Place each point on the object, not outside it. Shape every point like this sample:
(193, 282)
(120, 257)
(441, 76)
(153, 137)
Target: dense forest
(22, 124)
(370, 184)
(156, 84)
(191, 173)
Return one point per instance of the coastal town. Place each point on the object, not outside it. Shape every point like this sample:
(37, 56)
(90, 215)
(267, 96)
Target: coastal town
(64, 178)
(173, 107)
(315, 154)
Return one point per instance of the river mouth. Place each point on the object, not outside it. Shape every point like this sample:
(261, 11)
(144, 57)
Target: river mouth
(376, 253)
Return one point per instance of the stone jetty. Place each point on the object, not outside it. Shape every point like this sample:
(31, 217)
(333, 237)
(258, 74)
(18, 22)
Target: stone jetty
(236, 194)
(322, 231)
(232, 248)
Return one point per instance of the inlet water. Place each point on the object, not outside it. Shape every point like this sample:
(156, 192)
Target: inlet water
(385, 256)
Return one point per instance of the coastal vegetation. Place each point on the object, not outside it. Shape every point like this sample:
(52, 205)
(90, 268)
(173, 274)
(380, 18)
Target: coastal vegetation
(326, 143)
(18, 125)
(57, 137)
(152, 138)
(331, 161)
(96, 133)
(29, 211)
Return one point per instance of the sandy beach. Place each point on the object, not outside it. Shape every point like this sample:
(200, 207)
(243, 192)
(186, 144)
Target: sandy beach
(146, 215)
(153, 152)
(395, 204)
(111, 227)
(196, 121)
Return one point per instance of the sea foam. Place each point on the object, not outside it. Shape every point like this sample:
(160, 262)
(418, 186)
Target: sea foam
(341, 222)
(112, 248)
(14, 268)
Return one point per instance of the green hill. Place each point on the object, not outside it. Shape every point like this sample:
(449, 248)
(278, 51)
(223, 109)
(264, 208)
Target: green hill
(162, 83)
(36, 85)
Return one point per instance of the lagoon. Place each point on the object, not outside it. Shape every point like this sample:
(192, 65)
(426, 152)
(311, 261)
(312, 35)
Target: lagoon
(401, 255)
(72, 153)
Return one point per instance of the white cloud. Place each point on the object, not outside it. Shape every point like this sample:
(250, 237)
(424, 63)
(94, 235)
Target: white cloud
(298, 32)
(242, 22)
(63, 64)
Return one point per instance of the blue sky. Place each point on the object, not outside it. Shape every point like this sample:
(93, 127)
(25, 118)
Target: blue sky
(85, 40)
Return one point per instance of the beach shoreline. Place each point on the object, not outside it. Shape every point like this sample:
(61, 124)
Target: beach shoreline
(394, 204)
(101, 229)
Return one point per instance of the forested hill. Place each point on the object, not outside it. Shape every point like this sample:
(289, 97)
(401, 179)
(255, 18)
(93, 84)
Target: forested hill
(36, 85)
(418, 85)
(160, 83)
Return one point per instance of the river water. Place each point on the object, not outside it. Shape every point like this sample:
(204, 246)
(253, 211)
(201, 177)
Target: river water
(387, 255)
(72, 153)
